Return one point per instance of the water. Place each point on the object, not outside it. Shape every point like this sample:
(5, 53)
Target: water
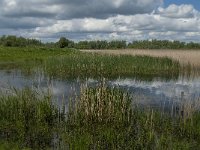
(154, 93)
(43, 85)
(158, 92)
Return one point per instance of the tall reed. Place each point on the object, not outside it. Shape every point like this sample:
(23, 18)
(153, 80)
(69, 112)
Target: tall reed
(101, 105)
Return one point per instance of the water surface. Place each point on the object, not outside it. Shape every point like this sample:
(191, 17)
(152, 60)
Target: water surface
(155, 93)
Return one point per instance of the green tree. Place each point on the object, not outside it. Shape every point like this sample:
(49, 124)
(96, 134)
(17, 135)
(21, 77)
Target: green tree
(63, 42)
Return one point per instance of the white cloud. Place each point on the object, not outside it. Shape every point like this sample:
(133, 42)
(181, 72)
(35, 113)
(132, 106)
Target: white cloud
(130, 27)
(84, 20)
(68, 9)
(175, 11)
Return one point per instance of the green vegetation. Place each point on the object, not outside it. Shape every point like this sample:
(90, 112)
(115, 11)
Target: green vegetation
(84, 65)
(99, 118)
(13, 41)
(101, 45)
(28, 58)
(27, 119)
(63, 42)
(17, 54)
(73, 64)
(163, 44)
(145, 44)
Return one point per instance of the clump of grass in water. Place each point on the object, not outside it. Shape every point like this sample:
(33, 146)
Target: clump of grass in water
(28, 120)
(101, 105)
(95, 116)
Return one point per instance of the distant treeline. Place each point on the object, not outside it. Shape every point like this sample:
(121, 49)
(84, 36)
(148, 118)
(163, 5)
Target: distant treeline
(13, 41)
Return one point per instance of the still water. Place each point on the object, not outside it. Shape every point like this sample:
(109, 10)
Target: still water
(155, 93)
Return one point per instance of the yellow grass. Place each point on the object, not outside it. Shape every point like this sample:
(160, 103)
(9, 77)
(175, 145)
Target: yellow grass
(183, 56)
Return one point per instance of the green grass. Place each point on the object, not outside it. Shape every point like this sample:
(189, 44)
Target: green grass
(15, 54)
(27, 119)
(26, 58)
(99, 118)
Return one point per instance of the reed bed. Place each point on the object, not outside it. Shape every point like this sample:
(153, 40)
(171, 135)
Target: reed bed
(73, 64)
(107, 118)
(188, 59)
(99, 118)
(96, 66)
(183, 56)
(100, 105)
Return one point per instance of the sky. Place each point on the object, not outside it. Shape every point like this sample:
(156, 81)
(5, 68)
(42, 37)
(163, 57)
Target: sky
(130, 20)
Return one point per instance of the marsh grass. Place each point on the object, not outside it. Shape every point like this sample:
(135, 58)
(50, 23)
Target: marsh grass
(101, 105)
(17, 54)
(96, 66)
(99, 118)
(105, 118)
(73, 64)
(188, 59)
(27, 58)
(185, 57)
(27, 119)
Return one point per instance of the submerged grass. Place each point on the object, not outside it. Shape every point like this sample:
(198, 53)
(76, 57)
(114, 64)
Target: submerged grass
(98, 118)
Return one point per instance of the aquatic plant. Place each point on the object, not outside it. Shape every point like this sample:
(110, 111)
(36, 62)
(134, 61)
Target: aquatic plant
(27, 119)
(96, 66)
(101, 105)
(73, 64)
(99, 118)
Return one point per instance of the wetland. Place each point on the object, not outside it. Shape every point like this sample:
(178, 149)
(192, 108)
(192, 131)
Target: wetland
(54, 98)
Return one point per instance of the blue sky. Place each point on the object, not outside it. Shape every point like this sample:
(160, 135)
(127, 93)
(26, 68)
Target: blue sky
(129, 20)
(195, 3)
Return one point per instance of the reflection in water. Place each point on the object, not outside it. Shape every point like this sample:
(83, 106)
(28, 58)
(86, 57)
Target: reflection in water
(154, 93)
(59, 89)
(157, 91)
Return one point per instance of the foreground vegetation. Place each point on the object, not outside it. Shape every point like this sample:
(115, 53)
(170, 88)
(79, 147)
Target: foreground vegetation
(99, 118)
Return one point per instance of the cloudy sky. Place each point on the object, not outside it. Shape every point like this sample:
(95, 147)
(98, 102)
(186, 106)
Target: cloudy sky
(101, 19)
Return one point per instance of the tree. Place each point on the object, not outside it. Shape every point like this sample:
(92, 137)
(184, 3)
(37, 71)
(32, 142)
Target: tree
(63, 42)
